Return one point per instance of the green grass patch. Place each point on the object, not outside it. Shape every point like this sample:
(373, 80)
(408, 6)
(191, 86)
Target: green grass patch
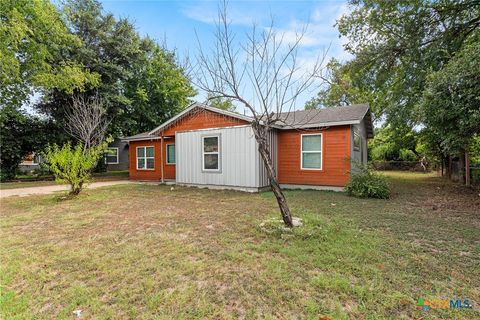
(150, 252)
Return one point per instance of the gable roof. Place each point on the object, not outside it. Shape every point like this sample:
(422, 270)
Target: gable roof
(203, 106)
(301, 119)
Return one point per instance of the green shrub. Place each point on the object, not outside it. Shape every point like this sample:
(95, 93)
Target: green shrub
(365, 183)
(73, 164)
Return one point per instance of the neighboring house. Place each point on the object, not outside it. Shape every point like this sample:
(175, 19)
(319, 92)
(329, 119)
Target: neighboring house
(206, 146)
(116, 157)
(30, 163)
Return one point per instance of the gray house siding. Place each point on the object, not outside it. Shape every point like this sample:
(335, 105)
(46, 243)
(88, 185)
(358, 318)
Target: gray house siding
(240, 163)
(122, 155)
(360, 155)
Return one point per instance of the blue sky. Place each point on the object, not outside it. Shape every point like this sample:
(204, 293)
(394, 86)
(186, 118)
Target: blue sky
(176, 23)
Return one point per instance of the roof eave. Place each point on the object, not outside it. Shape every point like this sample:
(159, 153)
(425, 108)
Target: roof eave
(322, 124)
(368, 117)
(140, 138)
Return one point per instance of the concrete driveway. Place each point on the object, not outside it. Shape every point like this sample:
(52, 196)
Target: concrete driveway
(22, 192)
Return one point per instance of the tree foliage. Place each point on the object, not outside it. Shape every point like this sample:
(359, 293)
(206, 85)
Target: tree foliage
(398, 43)
(392, 144)
(20, 135)
(141, 83)
(340, 88)
(221, 103)
(13, 137)
(158, 90)
(32, 40)
(451, 102)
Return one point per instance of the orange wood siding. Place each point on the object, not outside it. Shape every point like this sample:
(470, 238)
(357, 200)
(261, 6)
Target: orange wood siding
(196, 120)
(154, 174)
(203, 120)
(168, 169)
(336, 158)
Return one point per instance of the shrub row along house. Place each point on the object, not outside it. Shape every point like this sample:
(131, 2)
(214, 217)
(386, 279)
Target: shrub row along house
(210, 147)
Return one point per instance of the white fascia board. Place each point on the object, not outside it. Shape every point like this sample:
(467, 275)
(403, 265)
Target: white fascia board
(227, 113)
(323, 124)
(146, 138)
(173, 119)
(211, 129)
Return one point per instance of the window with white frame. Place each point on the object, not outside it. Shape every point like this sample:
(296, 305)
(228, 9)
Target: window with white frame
(211, 153)
(170, 154)
(145, 158)
(111, 156)
(311, 153)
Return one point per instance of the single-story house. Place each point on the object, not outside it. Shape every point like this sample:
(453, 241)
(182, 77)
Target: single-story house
(115, 158)
(208, 147)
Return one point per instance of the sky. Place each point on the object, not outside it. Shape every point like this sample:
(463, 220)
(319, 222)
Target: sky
(177, 24)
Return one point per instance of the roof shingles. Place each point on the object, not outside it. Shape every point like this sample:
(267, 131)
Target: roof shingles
(324, 116)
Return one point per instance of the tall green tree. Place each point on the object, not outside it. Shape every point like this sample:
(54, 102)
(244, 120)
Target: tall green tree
(20, 135)
(340, 88)
(110, 48)
(451, 101)
(141, 84)
(398, 43)
(157, 91)
(32, 40)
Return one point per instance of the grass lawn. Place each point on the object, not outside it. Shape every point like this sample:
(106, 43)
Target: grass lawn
(152, 252)
(25, 182)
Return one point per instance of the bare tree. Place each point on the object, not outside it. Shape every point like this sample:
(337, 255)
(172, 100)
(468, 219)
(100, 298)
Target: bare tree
(86, 120)
(265, 75)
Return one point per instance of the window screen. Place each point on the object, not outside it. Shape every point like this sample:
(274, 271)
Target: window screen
(311, 153)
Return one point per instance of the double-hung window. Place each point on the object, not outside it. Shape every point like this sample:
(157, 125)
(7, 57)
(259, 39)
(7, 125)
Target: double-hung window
(170, 154)
(211, 153)
(111, 156)
(311, 153)
(145, 158)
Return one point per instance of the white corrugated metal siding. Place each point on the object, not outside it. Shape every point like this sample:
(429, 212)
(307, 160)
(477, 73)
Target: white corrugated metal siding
(240, 163)
(262, 171)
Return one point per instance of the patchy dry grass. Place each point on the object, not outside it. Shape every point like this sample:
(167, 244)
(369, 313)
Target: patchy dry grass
(24, 183)
(149, 252)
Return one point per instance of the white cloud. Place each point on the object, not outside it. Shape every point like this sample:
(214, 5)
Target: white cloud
(320, 31)
(207, 12)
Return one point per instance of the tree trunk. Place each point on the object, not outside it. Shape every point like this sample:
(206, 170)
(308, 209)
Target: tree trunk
(467, 169)
(442, 162)
(461, 167)
(449, 174)
(75, 190)
(263, 149)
